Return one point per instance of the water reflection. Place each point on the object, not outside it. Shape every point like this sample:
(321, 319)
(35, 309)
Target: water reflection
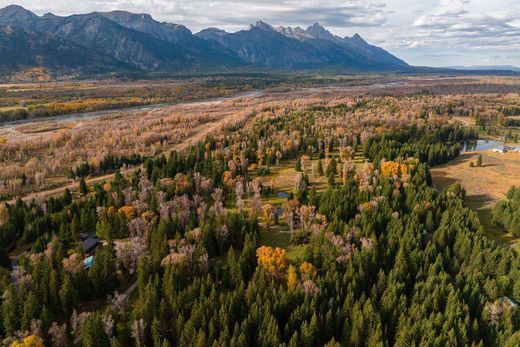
(481, 145)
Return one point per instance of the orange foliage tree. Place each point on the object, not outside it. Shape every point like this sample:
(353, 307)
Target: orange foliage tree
(127, 211)
(393, 169)
(272, 259)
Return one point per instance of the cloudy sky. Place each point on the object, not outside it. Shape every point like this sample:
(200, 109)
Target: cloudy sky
(422, 32)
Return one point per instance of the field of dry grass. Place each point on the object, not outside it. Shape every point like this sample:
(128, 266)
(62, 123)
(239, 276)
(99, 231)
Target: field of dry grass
(485, 186)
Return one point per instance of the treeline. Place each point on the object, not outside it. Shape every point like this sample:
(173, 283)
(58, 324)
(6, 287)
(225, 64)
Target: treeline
(507, 212)
(109, 163)
(22, 113)
(510, 110)
(77, 98)
(57, 109)
(509, 122)
(433, 146)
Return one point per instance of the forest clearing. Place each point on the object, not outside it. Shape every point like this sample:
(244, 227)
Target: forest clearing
(485, 186)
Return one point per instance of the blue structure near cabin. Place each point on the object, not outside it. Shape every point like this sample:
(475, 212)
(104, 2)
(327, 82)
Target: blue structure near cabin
(87, 263)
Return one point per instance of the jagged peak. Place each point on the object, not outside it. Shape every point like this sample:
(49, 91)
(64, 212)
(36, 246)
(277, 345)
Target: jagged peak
(358, 38)
(318, 26)
(261, 25)
(320, 32)
(297, 32)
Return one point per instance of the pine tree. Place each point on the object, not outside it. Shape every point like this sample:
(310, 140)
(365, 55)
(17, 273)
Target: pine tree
(479, 160)
(92, 332)
(83, 189)
(320, 168)
(298, 166)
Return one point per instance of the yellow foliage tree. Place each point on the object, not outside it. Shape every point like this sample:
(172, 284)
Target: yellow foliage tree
(393, 169)
(292, 277)
(272, 259)
(308, 270)
(227, 179)
(29, 341)
(127, 211)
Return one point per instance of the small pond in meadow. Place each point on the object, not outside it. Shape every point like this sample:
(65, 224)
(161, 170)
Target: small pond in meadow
(282, 195)
(481, 145)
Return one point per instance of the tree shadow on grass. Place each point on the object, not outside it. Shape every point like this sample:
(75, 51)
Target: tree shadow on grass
(482, 204)
(441, 180)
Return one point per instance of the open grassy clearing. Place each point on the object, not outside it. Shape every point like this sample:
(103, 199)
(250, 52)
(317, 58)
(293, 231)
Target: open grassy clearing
(280, 236)
(485, 186)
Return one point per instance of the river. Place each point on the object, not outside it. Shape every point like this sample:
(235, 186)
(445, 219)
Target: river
(8, 129)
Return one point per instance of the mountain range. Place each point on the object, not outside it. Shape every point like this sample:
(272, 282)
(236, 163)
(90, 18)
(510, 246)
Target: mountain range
(101, 42)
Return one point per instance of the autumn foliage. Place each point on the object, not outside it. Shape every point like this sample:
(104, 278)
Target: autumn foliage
(393, 169)
(29, 341)
(272, 259)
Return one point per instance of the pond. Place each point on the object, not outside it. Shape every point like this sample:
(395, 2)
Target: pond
(481, 145)
(282, 195)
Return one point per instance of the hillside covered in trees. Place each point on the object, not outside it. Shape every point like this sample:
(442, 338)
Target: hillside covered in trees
(384, 258)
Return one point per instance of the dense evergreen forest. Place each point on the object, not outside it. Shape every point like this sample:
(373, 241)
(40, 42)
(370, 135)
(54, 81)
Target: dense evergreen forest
(507, 212)
(389, 260)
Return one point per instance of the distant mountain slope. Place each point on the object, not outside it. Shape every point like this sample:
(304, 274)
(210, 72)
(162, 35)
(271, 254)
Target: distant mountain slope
(105, 36)
(121, 39)
(21, 49)
(371, 55)
(138, 40)
(213, 53)
(13, 15)
(298, 48)
(261, 45)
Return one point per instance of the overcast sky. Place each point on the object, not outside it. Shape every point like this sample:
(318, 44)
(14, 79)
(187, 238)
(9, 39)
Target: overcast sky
(422, 32)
